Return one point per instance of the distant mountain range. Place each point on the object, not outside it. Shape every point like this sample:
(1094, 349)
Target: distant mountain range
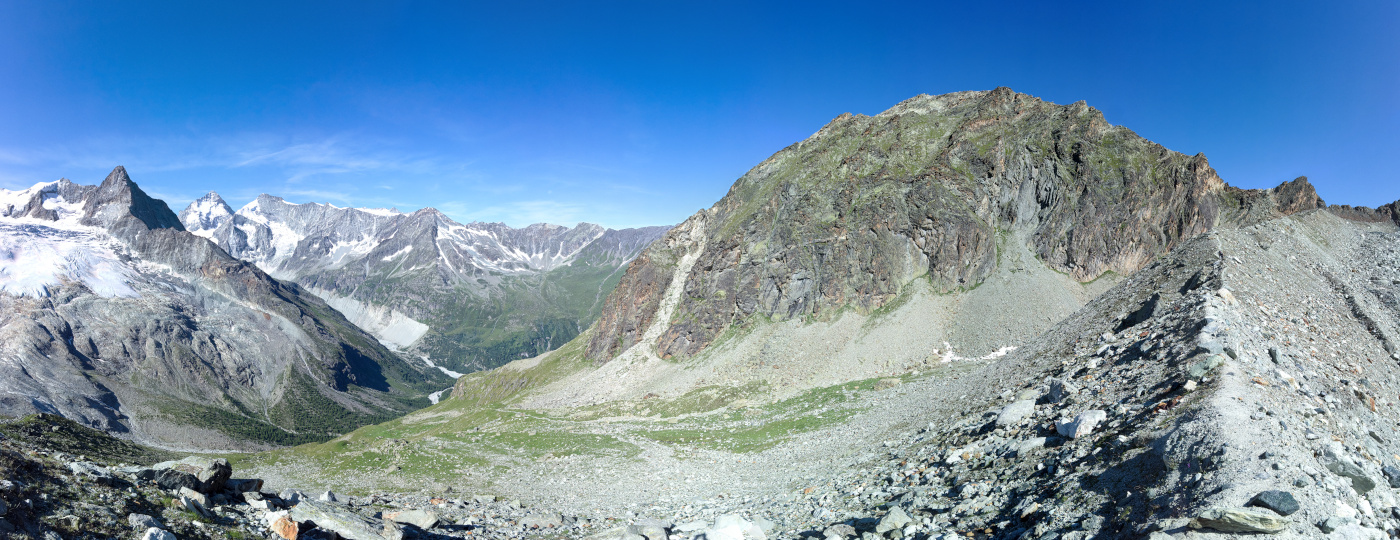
(463, 296)
(113, 314)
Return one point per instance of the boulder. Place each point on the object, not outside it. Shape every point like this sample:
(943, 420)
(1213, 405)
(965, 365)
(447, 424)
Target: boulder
(347, 524)
(209, 473)
(284, 527)
(99, 474)
(732, 527)
(235, 485)
(291, 496)
(1204, 366)
(1059, 390)
(157, 534)
(1392, 475)
(1082, 424)
(1240, 520)
(1278, 501)
(1334, 458)
(1015, 412)
(896, 519)
(839, 531)
(423, 519)
(328, 496)
(143, 521)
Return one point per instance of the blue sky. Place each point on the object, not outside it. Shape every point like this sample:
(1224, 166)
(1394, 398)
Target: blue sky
(630, 114)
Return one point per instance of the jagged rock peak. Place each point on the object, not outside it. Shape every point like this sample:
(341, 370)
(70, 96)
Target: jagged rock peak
(119, 197)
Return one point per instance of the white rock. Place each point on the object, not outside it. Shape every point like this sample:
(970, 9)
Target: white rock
(157, 534)
(1345, 511)
(1082, 424)
(1365, 507)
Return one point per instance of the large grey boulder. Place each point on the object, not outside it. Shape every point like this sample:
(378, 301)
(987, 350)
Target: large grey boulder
(1015, 412)
(343, 522)
(1335, 459)
(423, 519)
(896, 519)
(208, 475)
(143, 521)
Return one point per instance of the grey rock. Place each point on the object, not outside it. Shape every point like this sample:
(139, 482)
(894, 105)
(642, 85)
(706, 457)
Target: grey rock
(98, 473)
(692, 526)
(345, 523)
(483, 499)
(423, 519)
(1360, 481)
(839, 531)
(195, 496)
(895, 519)
(1060, 389)
(1240, 520)
(143, 522)
(1278, 501)
(1015, 412)
(1201, 368)
(733, 527)
(653, 529)
(328, 496)
(243, 485)
(542, 520)
(291, 496)
(1392, 475)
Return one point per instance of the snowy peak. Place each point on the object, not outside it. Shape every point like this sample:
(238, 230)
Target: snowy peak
(206, 214)
(291, 240)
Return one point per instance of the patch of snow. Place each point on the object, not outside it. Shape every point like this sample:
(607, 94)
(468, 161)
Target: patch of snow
(380, 212)
(449, 372)
(399, 253)
(949, 356)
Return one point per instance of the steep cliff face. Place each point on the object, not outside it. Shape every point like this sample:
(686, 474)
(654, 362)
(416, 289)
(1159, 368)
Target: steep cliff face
(114, 315)
(925, 190)
(467, 296)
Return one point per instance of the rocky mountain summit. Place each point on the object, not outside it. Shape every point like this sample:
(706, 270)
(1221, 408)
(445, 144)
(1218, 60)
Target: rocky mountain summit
(114, 315)
(924, 190)
(468, 296)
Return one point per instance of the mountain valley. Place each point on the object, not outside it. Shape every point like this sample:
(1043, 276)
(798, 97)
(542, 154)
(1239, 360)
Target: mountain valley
(977, 315)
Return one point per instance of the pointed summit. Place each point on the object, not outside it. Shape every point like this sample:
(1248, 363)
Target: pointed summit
(206, 213)
(118, 197)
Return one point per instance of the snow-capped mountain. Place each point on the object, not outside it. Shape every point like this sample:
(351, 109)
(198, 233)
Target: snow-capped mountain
(112, 314)
(467, 296)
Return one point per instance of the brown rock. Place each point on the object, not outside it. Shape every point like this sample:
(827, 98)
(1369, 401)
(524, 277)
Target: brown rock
(285, 528)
